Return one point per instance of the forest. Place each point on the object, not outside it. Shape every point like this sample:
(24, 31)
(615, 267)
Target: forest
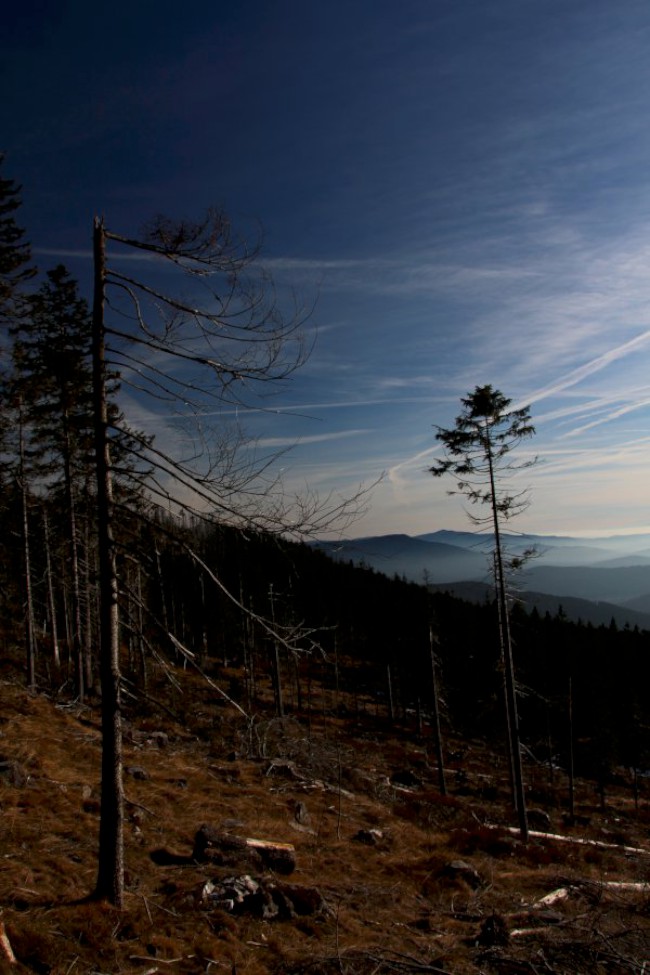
(220, 579)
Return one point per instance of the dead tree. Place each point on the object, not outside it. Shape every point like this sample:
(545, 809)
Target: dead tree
(203, 344)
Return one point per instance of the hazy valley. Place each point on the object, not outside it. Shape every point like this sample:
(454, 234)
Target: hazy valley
(592, 579)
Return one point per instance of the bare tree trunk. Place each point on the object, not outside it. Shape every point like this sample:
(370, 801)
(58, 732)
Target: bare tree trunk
(336, 675)
(163, 599)
(511, 693)
(389, 688)
(203, 649)
(51, 602)
(88, 600)
(140, 628)
(110, 873)
(572, 806)
(30, 634)
(73, 549)
(296, 672)
(506, 704)
(277, 675)
(436, 716)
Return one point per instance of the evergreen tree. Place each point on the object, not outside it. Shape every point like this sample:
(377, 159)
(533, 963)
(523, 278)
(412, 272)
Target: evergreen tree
(476, 453)
(15, 254)
(53, 378)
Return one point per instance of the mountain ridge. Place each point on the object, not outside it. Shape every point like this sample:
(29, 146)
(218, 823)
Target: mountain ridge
(602, 571)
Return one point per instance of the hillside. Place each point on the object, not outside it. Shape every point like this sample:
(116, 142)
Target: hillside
(597, 613)
(390, 877)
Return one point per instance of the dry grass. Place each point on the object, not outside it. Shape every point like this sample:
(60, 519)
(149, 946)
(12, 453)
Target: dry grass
(395, 906)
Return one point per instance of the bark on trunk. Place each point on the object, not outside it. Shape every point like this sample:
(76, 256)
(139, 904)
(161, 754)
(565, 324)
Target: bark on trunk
(110, 873)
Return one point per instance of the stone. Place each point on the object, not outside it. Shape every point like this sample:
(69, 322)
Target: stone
(407, 778)
(538, 819)
(461, 870)
(371, 837)
(301, 814)
(262, 898)
(494, 932)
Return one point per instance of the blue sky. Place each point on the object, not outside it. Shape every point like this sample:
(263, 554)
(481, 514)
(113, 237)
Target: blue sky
(462, 185)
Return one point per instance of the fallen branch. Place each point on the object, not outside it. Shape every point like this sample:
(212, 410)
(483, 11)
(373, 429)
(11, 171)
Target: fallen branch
(562, 893)
(159, 961)
(579, 841)
(548, 900)
(5, 946)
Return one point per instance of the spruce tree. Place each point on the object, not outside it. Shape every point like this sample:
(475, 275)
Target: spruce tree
(15, 254)
(477, 452)
(52, 376)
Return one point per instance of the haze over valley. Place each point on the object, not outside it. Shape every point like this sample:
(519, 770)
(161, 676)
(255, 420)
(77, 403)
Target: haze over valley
(592, 579)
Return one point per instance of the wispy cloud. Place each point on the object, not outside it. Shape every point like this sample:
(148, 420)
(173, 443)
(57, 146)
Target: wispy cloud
(589, 368)
(314, 439)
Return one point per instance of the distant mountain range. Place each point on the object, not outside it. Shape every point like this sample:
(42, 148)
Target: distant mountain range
(593, 579)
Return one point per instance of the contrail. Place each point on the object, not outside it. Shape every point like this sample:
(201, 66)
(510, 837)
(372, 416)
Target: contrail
(576, 375)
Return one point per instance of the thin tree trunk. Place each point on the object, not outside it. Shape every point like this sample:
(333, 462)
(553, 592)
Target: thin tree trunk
(73, 549)
(203, 649)
(506, 704)
(110, 872)
(389, 688)
(30, 635)
(87, 602)
(140, 628)
(51, 602)
(277, 676)
(336, 676)
(436, 717)
(511, 693)
(163, 599)
(572, 806)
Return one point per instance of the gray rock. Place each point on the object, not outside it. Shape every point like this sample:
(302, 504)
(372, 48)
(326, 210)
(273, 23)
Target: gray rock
(461, 870)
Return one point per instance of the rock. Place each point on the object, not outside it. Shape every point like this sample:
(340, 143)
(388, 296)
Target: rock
(284, 768)
(229, 894)
(538, 819)
(13, 773)
(301, 814)
(136, 772)
(405, 777)
(371, 837)
(303, 900)
(261, 898)
(461, 870)
(494, 932)
(158, 738)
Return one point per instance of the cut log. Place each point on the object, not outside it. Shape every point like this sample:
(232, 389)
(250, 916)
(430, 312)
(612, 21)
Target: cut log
(280, 857)
(548, 900)
(211, 844)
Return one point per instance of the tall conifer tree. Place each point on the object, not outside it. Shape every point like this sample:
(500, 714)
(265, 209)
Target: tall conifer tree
(476, 453)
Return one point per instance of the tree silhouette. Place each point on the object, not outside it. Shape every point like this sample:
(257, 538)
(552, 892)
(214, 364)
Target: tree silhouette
(477, 452)
(203, 345)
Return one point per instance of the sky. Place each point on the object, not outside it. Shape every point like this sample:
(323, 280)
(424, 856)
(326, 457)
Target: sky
(460, 187)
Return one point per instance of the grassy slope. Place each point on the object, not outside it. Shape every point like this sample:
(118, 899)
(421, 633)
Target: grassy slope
(390, 908)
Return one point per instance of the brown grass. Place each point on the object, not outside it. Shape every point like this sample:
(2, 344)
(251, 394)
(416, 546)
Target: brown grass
(390, 907)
